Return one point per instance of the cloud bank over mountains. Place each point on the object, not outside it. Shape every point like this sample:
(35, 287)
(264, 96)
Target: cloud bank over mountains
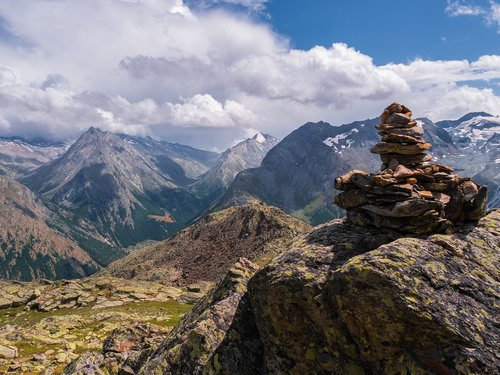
(205, 77)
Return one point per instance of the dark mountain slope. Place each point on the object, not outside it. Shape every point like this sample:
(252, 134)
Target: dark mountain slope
(29, 248)
(124, 193)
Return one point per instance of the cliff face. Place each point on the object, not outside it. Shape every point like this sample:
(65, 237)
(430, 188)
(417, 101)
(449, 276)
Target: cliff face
(351, 300)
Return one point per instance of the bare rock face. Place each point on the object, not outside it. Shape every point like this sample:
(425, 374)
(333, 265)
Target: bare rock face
(8, 352)
(349, 300)
(410, 194)
(87, 363)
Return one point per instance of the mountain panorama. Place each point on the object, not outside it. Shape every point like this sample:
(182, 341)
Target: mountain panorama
(109, 195)
(365, 248)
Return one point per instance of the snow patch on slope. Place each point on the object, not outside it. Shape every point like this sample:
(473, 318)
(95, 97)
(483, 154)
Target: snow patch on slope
(331, 141)
(476, 131)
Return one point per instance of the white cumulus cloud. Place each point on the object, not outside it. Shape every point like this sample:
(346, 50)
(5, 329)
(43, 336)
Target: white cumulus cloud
(489, 13)
(253, 5)
(204, 77)
(456, 8)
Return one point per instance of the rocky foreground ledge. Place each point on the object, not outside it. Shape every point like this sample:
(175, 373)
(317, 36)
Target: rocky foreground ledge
(44, 325)
(344, 300)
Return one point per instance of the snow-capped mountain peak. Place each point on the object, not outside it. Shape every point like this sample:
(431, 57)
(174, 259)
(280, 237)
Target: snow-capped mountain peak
(259, 137)
(475, 131)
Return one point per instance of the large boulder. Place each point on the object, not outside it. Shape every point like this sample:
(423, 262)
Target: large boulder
(87, 364)
(414, 305)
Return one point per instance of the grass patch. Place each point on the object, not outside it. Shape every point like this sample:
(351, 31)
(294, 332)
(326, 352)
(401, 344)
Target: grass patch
(17, 316)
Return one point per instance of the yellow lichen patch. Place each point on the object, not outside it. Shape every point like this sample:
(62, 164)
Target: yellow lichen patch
(310, 354)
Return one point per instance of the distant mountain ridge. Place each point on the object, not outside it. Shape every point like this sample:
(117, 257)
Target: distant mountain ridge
(297, 174)
(189, 161)
(19, 155)
(246, 154)
(477, 136)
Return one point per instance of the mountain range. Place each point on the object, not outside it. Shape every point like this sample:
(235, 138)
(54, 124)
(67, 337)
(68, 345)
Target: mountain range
(110, 191)
(127, 194)
(297, 175)
(107, 193)
(19, 155)
(477, 137)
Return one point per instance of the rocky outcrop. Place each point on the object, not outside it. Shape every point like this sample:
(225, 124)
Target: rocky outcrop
(123, 347)
(205, 251)
(413, 305)
(8, 352)
(411, 194)
(350, 300)
(46, 325)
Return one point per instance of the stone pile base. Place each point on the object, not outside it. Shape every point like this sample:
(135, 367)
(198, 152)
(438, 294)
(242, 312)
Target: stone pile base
(412, 201)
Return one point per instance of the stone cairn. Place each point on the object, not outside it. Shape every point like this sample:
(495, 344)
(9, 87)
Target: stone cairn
(410, 194)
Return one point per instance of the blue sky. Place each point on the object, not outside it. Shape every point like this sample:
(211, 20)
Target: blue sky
(388, 30)
(212, 72)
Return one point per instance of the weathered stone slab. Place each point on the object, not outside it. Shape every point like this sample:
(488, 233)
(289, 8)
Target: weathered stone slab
(402, 172)
(408, 208)
(395, 148)
(415, 131)
(344, 182)
(382, 181)
(351, 199)
(399, 118)
(406, 159)
(399, 138)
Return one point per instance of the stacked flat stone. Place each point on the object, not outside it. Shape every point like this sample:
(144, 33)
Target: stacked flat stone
(410, 194)
(401, 136)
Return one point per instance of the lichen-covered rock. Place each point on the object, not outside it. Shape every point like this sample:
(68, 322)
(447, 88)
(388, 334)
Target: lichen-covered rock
(414, 306)
(87, 364)
(8, 352)
(191, 347)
